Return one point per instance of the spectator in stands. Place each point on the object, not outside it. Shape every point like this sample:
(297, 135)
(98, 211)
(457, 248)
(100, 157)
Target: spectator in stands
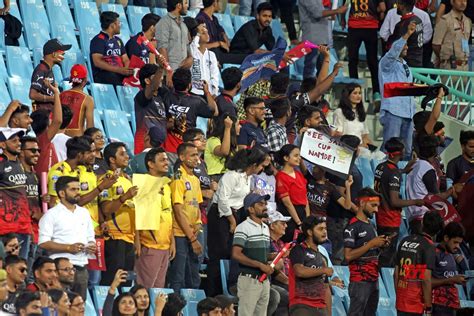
(80, 103)
(109, 60)
(221, 145)
(41, 93)
(66, 272)
(157, 247)
(451, 38)
(361, 249)
(11, 244)
(226, 211)
(414, 290)
(285, 10)
(445, 275)
(16, 218)
(46, 277)
(251, 133)
(143, 299)
(309, 272)
(77, 304)
(28, 303)
(387, 183)
(122, 305)
(135, 47)
(414, 41)
(227, 305)
(118, 209)
(316, 28)
(137, 163)
(150, 111)
(66, 230)
(174, 305)
(308, 117)
(16, 115)
(209, 307)
(172, 35)
(264, 183)
(255, 33)
(60, 139)
(396, 113)
(445, 7)
(60, 301)
(251, 248)
(231, 78)
(17, 271)
(276, 131)
(349, 118)
(291, 189)
(186, 196)
(100, 166)
(205, 66)
(463, 163)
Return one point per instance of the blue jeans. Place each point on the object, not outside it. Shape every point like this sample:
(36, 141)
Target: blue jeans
(184, 269)
(246, 6)
(396, 126)
(312, 62)
(24, 240)
(94, 278)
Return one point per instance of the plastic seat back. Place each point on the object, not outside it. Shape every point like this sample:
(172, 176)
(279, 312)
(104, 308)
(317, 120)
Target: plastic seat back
(343, 273)
(126, 96)
(89, 305)
(71, 57)
(387, 276)
(277, 30)
(15, 11)
(19, 62)
(35, 22)
(386, 307)
(104, 97)
(5, 98)
(100, 294)
(226, 22)
(3, 68)
(160, 11)
(117, 127)
(240, 20)
(19, 89)
(135, 15)
(192, 297)
(118, 8)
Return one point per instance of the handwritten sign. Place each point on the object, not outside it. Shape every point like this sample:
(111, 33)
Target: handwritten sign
(327, 152)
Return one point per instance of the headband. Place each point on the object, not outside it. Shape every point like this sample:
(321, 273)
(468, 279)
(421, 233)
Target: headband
(369, 199)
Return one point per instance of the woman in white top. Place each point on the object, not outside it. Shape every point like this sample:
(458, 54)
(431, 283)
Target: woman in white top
(227, 209)
(349, 118)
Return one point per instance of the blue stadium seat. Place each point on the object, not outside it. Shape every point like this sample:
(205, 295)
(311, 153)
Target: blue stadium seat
(343, 294)
(465, 303)
(135, 15)
(387, 276)
(226, 23)
(89, 306)
(338, 306)
(154, 292)
(87, 13)
(86, 34)
(224, 267)
(117, 127)
(126, 96)
(18, 62)
(343, 273)
(104, 97)
(16, 13)
(2, 31)
(277, 30)
(19, 89)
(382, 290)
(71, 57)
(160, 11)
(365, 168)
(386, 307)
(100, 294)
(5, 98)
(3, 68)
(118, 8)
(240, 20)
(193, 13)
(36, 23)
(192, 298)
(98, 121)
(63, 27)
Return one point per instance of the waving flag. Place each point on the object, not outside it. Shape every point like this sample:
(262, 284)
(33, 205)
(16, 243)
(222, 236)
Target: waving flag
(133, 81)
(262, 66)
(299, 51)
(443, 207)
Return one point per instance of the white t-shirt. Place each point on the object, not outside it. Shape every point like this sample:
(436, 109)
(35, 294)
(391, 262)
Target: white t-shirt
(205, 67)
(59, 142)
(346, 127)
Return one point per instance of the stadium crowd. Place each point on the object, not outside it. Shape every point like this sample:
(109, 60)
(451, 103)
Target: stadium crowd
(229, 180)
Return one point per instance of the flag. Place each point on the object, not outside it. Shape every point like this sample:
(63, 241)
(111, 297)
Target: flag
(262, 66)
(443, 207)
(403, 89)
(97, 261)
(133, 81)
(299, 51)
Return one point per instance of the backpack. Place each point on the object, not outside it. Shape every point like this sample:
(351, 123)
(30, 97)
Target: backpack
(13, 28)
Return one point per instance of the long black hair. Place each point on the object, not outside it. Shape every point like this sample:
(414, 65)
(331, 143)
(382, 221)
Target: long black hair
(246, 158)
(346, 106)
(115, 308)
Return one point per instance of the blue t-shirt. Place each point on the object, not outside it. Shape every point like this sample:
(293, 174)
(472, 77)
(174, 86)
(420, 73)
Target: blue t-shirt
(250, 133)
(111, 48)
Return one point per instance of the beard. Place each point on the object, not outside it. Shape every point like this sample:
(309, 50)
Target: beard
(72, 199)
(318, 241)
(369, 215)
(262, 215)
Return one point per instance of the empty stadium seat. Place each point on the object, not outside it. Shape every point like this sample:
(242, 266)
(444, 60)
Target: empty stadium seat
(71, 57)
(126, 96)
(465, 303)
(343, 294)
(89, 306)
(5, 98)
(192, 298)
(87, 13)
(135, 15)
(382, 290)
(365, 168)
(117, 127)
(61, 22)
(154, 292)
(386, 307)
(387, 276)
(35, 22)
(277, 29)
(100, 294)
(343, 273)
(3, 68)
(118, 8)
(98, 121)
(224, 267)
(19, 89)
(338, 306)
(18, 62)
(104, 97)
(226, 22)
(193, 13)
(160, 11)
(2, 31)
(240, 20)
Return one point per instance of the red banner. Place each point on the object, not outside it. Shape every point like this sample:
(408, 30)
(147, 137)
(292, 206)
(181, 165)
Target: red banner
(136, 63)
(299, 51)
(98, 263)
(447, 211)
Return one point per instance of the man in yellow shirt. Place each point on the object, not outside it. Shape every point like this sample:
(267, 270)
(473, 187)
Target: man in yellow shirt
(186, 196)
(156, 248)
(117, 206)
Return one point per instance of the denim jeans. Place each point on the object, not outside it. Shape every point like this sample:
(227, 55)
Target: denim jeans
(184, 269)
(246, 6)
(396, 126)
(312, 64)
(24, 240)
(94, 278)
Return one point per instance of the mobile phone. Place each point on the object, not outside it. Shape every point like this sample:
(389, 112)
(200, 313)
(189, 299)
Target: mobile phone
(392, 235)
(131, 276)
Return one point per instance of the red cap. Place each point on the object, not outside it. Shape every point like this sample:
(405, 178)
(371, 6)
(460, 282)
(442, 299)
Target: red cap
(78, 73)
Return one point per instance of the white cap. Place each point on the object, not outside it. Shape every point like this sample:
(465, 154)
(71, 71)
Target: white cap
(6, 133)
(276, 216)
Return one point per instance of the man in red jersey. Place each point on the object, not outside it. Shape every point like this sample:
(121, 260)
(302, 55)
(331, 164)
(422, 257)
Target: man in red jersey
(80, 103)
(416, 258)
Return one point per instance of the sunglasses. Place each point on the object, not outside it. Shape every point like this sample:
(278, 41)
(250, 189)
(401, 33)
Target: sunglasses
(33, 150)
(23, 270)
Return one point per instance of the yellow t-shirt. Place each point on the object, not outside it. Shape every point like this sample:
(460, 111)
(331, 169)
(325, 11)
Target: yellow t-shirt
(59, 170)
(186, 190)
(215, 164)
(121, 223)
(161, 239)
(88, 183)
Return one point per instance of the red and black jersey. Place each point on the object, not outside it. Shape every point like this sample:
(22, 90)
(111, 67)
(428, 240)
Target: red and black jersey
(387, 178)
(319, 195)
(307, 291)
(14, 209)
(363, 14)
(445, 267)
(42, 73)
(414, 56)
(32, 193)
(415, 254)
(111, 49)
(366, 267)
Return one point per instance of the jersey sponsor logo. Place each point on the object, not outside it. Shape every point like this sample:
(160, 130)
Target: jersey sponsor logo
(84, 186)
(17, 179)
(410, 245)
(349, 231)
(396, 178)
(188, 186)
(310, 255)
(362, 234)
(8, 169)
(119, 190)
(178, 109)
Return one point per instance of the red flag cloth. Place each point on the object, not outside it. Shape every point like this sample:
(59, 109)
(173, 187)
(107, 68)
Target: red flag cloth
(98, 263)
(447, 211)
(136, 63)
(299, 51)
(404, 89)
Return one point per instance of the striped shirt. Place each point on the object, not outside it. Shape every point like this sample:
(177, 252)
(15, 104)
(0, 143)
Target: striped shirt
(254, 238)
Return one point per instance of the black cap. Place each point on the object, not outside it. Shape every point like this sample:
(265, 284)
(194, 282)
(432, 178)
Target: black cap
(54, 45)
